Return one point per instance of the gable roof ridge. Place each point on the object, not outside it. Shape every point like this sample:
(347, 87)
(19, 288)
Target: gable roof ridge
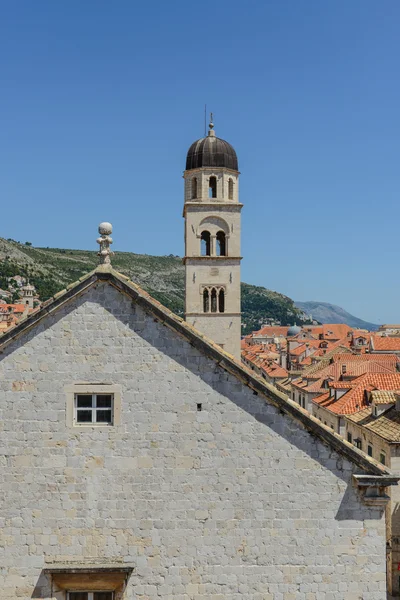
(213, 351)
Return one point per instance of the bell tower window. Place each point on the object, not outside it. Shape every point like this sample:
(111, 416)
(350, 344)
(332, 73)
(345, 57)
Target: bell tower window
(194, 188)
(221, 243)
(221, 301)
(205, 243)
(213, 300)
(206, 301)
(212, 187)
(230, 189)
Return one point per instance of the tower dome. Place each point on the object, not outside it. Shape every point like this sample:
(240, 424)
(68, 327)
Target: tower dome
(211, 151)
(293, 330)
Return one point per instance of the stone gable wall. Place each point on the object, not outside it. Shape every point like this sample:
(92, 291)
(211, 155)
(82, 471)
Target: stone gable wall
(234, 502)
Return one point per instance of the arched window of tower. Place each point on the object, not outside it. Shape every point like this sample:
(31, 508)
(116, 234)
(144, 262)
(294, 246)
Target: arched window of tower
(221, 243)
(230, 189)
(213, 300)
(194, 188)
(206, 301)
(221, 301)
(205, 243)
(212, 187)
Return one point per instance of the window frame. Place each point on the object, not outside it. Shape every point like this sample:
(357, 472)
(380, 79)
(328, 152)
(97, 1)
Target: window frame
(86, 388)
(94, 409)
(90, 594)
(213, 299)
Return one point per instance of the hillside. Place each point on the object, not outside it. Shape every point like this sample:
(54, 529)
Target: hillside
(51, 269)
(330, 313)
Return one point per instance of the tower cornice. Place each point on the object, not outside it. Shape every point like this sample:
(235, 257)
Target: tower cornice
(208, 169)
(225, 260)
(221, 204)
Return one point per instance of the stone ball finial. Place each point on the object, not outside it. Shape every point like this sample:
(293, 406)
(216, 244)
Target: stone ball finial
(105, 228)
(104, 242)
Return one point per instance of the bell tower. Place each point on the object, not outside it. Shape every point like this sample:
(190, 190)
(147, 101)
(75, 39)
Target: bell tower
(212, 241)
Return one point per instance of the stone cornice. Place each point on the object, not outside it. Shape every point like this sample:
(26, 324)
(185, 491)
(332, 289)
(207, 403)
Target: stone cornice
(209, 169)
(222, 259)
(228, 205)
(373, 488)
(210, 314)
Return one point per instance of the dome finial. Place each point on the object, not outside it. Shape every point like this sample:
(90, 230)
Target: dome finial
(211, 131)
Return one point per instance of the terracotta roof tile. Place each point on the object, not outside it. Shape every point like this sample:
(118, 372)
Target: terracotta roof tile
(392, 358)
(386, 425)
(384, 396)
(322, 398)
(354, 400)
(381, 343)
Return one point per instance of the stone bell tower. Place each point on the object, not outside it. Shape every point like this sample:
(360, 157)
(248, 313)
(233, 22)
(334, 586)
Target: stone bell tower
(212, 241)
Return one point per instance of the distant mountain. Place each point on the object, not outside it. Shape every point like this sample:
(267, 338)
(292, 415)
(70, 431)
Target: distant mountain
(330, 313)
(52, 269)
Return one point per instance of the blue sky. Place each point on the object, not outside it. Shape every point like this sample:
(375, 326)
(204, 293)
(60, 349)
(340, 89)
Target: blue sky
(99, 102)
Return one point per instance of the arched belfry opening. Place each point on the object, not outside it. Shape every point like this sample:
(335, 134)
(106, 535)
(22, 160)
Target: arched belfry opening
(214, 299)
(205, 243)
(194, 188)
(212, 187)
(230, 188)
(214, 305)
(212, 241)
(206, 301)
(221, 301)
(221, 243)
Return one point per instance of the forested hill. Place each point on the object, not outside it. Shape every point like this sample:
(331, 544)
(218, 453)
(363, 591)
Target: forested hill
(52, 269)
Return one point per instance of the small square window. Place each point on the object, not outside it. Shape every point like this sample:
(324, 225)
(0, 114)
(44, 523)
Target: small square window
(93, 404)
(94, 408)
(349, 437)
(383, 458)
(369, 450)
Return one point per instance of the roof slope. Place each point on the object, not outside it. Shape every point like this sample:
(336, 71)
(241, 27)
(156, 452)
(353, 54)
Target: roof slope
(354, 400)
(208, 348)
(386, 425)
(385, 344)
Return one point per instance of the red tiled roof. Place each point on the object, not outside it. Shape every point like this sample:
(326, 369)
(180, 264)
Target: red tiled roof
(298, 350)
(341, 385)
(354, 400)
(391, 358)
(335, 330)
(275, 370)
(15, 308)
(385, 343)
(322, 398)
(306, 361)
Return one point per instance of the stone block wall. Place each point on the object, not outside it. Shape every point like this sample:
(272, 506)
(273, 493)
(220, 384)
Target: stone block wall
(233, 501)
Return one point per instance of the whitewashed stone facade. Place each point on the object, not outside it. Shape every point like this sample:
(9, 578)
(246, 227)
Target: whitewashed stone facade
(210, 489)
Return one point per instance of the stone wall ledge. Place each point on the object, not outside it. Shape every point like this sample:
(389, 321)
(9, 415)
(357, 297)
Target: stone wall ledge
(373, 488)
